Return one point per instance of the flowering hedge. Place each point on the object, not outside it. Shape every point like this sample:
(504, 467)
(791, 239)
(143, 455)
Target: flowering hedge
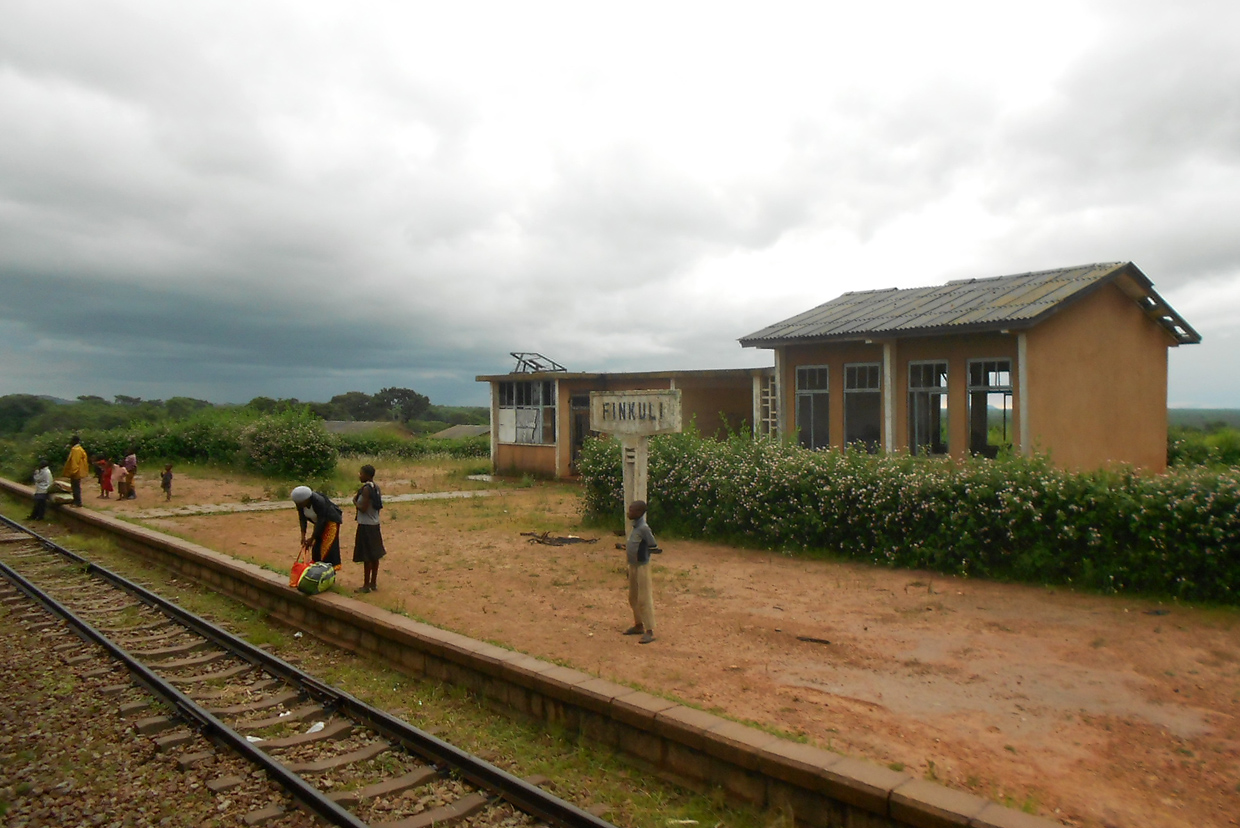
(1176, 534)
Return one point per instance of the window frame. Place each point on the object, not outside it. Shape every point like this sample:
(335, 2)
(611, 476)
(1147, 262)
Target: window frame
(936, 416)
(852, 391)
(533, 407)
(819, 402)
(986, 448)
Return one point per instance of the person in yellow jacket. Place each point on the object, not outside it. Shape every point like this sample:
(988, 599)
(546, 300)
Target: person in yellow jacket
(76, 468)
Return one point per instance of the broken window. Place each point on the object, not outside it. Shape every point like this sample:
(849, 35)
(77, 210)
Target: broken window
(813, 415)
(527, 412)
(990, 406)
(927, 407)
(863, 405)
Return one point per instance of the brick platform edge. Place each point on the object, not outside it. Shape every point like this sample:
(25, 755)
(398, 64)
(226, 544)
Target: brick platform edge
(681, 743)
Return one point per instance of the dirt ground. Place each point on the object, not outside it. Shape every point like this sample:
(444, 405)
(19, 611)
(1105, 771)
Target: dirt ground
(1093, 710)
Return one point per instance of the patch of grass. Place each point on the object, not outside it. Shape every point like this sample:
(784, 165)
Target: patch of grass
(895, 766)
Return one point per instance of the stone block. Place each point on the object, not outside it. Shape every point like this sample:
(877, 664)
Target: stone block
(685, 725)
(865, 785)
(797, 763)
(638, 709)
(925, 804)
(686, 762)
(737, 743)
(738, 782)
(997, 816)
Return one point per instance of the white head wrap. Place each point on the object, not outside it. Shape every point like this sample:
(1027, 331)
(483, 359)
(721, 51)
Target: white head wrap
(301, 494)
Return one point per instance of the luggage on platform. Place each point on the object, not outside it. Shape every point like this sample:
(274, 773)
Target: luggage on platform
(318, 577)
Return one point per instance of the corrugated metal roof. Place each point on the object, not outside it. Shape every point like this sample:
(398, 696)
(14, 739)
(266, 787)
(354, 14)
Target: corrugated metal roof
(965, 305)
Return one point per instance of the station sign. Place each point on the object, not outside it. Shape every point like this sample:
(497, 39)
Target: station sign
(635, 412)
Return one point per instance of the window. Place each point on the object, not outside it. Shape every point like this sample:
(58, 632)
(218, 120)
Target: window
(927, 407)
(990, 406)
(863, 403)
(813, 415)
(527, 412)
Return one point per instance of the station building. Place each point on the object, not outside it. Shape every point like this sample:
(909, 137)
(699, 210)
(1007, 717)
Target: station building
(1071, 363)
(540, 413)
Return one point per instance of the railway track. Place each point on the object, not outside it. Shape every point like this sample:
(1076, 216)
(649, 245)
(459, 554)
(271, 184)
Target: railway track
(338, 758)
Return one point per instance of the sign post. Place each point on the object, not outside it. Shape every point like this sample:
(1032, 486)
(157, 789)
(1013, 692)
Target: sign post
(634, 416)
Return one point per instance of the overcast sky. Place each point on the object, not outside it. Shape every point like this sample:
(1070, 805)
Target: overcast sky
(226, 200)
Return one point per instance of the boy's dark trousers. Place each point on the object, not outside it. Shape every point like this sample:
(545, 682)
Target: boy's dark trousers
(40, 507)
(76, 484)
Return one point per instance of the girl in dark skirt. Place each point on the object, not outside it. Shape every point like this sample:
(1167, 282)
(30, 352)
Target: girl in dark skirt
(368, 545)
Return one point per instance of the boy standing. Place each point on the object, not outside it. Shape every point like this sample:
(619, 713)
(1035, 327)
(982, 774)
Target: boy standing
(42, 485)
(641, 594)
(165, 482)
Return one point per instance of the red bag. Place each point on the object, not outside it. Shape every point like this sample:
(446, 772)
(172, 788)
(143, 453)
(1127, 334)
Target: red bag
(299, 566)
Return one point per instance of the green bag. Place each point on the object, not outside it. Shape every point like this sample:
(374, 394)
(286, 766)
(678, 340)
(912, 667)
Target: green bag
(317, 578)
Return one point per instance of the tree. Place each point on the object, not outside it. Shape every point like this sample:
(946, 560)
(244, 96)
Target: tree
(354, 405)
(179, 408)
(18, 409)
(403, 404)
(122, 399)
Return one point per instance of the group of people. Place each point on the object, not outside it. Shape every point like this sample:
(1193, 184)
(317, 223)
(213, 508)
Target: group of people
(119, 477)
(112, 477)
(316, 510)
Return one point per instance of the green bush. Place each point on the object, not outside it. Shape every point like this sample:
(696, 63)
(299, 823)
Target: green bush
(1214, 445)
(291, 443)
(380, 444)
(1176, 534)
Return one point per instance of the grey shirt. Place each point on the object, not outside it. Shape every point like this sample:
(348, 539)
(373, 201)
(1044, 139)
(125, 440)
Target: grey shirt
(641, 541)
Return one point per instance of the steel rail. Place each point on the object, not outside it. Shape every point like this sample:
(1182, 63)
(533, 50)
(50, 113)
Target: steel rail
(526, 796)
(191, 711)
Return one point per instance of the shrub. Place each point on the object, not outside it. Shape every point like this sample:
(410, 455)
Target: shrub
(1176, 534)
(291, 444)
(380, 444)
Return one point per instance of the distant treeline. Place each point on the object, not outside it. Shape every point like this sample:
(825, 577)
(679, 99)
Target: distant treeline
(27, 415)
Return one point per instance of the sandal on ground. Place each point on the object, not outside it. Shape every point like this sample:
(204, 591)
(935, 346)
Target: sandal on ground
(647, 638)
(635, 630)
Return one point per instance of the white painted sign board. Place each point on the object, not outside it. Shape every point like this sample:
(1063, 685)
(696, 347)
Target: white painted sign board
(634, 416)
(635, 412)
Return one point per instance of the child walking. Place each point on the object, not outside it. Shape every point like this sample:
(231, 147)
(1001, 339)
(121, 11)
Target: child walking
(368, 544)
(165, 482)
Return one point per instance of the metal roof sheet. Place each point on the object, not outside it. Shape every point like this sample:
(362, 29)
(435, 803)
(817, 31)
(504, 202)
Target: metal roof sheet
(994, 303)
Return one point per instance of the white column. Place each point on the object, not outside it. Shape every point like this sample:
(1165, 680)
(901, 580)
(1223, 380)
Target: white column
(563, 433)
(889, 398)
(494, 424)
(781, 424)
(1022, 389)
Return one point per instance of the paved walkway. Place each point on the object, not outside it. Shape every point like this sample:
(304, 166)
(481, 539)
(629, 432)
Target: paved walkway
(275, 505)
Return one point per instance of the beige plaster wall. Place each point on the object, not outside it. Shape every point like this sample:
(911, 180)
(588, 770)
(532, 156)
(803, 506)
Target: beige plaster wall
(538, 460)
(1098, 385)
